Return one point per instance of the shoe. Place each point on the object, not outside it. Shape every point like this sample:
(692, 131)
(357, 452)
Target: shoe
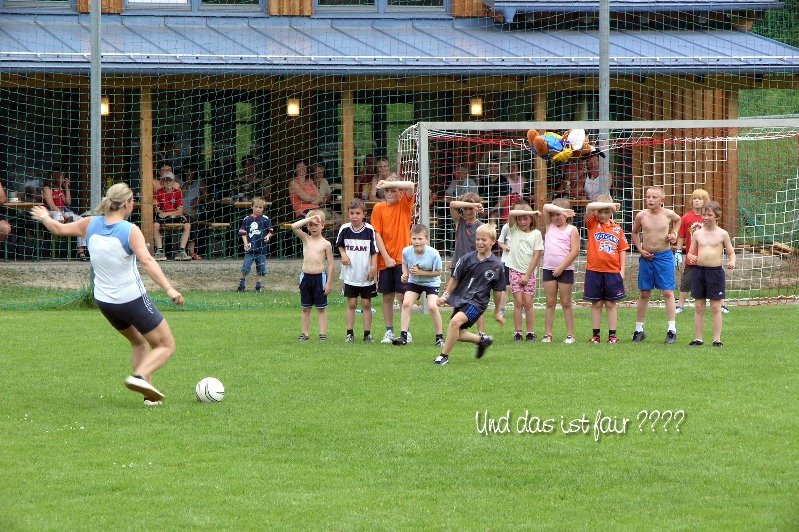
(400, 341)
(303, 337)
(717, 344)
(369, 339)
(697, 342)
(546, 339)
(259, 289)
(410, 337)
(240, 288)
(595, 340)
(195, 256)
(485, 343)
(671, 338)
(396, 306)
(441, 360)
(360, 311)
(181, 255)
(518, 337)
(137, 383)
(349, 338)
(159, 255)
(323, 338)
(531, 337)
(569, 340)
(639, 336)
(439, 342)
(388, 337)
(613, 340)
(680, 310)
(147, 402)
(724, 309)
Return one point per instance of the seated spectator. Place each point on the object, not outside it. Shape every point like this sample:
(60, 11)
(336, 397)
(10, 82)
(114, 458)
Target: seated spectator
(567, 182)
(161, 168)
(461, 183)
(5, 227)
(331, 210)
(303, 194)
(58, 198)
(195, 197)
(363, 181)
(383, 171)
(169, 210)
(593, 183)
(251, 183)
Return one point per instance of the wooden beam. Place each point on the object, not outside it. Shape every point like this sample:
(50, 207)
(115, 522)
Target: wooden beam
(348, 146)
(146, 162)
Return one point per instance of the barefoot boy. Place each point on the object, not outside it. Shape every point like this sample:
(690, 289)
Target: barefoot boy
(604, 270)
(392, 222)
(475, 275)
(358, 249)
(421, 272)
(316, 279)
(656, 264)
(705, 254)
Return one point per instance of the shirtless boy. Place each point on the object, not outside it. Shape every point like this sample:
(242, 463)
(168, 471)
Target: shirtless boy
(705, 254)
(656, 264)
(316, 279)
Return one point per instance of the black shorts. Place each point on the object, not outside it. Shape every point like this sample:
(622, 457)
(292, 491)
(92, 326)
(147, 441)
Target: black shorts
(472, 313)
(687, 279)
(567, 277)
(364, 292)
(389, 281)
(602, 286)
(709, 282)
(507, 276)
(171, 220)
(312, 290)
(418, 289)
(141, 314)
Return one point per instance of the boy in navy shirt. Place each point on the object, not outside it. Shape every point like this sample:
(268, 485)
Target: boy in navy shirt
(255, 232)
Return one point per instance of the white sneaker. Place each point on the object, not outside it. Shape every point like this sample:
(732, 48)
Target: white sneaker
(680, 310)
(724, 309)
(569, 340)
(181, 255)
(160, 255)
(147, 402)
(138, 384)
(410, 338)
(388, 337)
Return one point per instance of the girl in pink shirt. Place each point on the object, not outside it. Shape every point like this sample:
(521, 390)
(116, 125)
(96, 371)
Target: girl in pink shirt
(561, 247)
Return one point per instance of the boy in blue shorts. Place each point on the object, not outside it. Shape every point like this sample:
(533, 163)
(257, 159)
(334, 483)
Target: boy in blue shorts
(474, 277)
(255, 232)
(604, 270)
(421, 272)
(316, 280)
(656, 264)
(706, 252)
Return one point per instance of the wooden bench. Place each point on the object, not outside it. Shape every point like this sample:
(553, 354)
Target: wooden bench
(217, 241)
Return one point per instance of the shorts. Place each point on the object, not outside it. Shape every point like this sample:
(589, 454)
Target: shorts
(472, 313)
(418, 289)
(567, 277)
(260, 263)
(656, 273)
(603, 286)
(312, 290)
(141, 314)
(507, 276)
(686, 282)
(389, 281)
(515, 287)
(364, 292)
(170, 220)
(709, 282)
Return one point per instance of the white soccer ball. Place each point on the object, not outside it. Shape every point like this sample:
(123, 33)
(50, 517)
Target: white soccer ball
(210, 390)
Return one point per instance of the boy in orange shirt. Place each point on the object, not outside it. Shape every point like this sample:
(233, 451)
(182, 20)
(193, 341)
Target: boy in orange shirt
(391, 220)
(604, 271)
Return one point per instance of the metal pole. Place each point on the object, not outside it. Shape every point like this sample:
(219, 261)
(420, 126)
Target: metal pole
(95, 96)
(604, 82)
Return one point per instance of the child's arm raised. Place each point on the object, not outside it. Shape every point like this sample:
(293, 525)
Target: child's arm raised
(599, 205)
(407, 186)
(513, 213)
(299, 224)
(550, 209)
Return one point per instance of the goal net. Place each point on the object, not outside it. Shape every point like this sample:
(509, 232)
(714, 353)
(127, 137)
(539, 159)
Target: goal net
(748, 166)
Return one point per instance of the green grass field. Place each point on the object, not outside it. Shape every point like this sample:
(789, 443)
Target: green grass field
(360, 437)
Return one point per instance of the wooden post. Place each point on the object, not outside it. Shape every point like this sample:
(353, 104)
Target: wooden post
(146, 162)
(729, 201)
(540, 113)
(348, 147)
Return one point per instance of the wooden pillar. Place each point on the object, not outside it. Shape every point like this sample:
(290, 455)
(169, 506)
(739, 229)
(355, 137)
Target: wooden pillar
(729, 201)
(146, 162)
(348, 147)
(540, 172)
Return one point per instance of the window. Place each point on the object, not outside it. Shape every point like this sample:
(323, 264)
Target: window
(381, 6)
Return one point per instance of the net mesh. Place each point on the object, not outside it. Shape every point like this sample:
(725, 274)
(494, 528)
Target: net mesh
(230, 100)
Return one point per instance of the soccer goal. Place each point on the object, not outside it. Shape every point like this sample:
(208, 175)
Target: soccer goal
(749, 166)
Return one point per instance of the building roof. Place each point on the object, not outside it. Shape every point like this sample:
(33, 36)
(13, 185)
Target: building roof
(286, 45)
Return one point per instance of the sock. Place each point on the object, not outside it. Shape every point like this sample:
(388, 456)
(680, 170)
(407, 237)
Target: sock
(366, 333)
(639, 326)
(241, 281)
(439, 336)
(352, 332)
(612, 333)
(596, 332)
(673, 326)
(391, 328)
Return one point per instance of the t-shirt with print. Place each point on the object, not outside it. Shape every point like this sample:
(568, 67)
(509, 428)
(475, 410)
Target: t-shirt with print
(256, 228)
(476, 280)
(605, 241)
(690, 222)
(359, 245)
(393, 224)
(169, 201)
(429, 260)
